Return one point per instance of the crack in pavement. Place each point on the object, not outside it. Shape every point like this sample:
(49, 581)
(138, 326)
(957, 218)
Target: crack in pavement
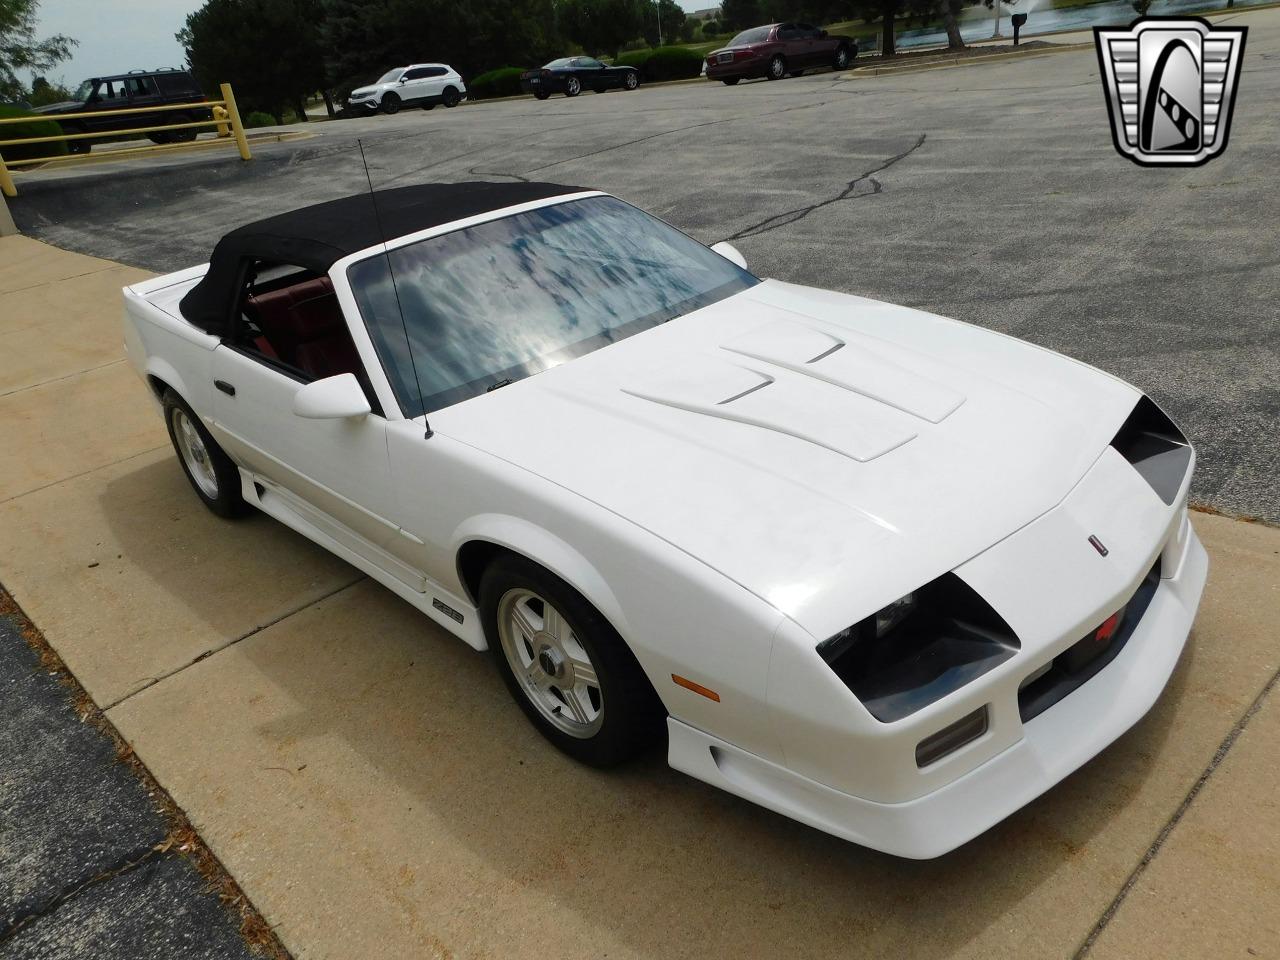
(792, 216)
(619, 146)
(1156, 845)
(131, 862)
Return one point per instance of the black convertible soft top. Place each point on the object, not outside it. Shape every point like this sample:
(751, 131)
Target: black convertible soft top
(318, 236)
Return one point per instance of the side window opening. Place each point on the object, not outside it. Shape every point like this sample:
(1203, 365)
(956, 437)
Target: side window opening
(289, 318)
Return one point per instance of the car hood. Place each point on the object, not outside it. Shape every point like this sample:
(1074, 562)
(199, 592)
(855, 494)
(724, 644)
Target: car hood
(361, 91)
(827, 452)
(62, 106)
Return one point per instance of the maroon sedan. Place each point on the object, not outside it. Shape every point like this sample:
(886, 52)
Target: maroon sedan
(779, 50)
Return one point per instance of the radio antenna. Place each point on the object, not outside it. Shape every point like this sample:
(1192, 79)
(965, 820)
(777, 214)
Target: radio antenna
(377, 219)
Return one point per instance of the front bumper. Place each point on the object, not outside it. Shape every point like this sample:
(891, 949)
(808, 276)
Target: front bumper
(1053, 744)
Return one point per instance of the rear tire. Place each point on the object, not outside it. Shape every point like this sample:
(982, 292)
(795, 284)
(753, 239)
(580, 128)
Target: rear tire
(632, 81)
(211, 473)
(844, 56)
(777, 68)
(572, 87)
(570, 672)
(390, 103)
(541, 94)
(451, 97)
(183, 136)
(730, 81)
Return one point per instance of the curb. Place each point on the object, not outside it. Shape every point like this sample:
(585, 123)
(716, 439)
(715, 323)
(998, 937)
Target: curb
(955, 60)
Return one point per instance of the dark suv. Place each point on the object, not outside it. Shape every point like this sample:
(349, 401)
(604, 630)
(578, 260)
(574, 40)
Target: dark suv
(137, 88)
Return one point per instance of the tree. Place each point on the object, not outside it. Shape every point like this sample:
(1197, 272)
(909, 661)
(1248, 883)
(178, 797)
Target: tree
(601, 27)
(21, 50)
(44, 93)
(269, 50)
(672, 19)
(1142, 6)
(887, 12)
(739, 14)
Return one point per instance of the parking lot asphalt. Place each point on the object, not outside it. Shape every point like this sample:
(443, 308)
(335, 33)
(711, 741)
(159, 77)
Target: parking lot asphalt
(85, 866)
(991, 194)
(375, 792)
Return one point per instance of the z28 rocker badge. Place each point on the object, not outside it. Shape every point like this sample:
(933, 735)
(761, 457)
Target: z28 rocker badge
(1170, 84)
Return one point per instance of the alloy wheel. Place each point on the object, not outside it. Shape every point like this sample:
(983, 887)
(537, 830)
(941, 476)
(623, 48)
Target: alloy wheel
(195, 454)
(551, 665)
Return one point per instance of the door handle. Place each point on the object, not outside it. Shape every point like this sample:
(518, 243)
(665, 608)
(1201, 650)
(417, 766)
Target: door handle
(225, 387)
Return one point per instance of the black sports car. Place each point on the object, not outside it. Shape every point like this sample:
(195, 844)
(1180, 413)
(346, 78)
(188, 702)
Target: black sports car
(572, 75)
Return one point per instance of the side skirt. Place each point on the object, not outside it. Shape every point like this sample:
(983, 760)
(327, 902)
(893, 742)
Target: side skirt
(422, 593)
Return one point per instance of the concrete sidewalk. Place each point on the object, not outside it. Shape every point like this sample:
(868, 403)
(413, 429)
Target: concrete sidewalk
(373, 789)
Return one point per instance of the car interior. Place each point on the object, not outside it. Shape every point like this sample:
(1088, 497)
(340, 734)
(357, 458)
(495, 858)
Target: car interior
(290, 317)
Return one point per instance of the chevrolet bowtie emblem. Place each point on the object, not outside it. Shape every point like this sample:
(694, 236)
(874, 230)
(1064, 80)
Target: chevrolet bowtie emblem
(1170, 84)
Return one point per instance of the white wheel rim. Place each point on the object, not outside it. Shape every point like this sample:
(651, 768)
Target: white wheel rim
(779, 68)
(550, 664)
(194, 454)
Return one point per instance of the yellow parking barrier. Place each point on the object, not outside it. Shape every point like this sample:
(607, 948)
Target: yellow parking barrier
(224, 117)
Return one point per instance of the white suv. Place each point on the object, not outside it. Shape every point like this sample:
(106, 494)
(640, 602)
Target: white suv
(418, 85)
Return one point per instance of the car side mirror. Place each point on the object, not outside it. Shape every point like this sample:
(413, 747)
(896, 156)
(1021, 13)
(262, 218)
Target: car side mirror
(730, 253)
(333, 398)
(403, 79)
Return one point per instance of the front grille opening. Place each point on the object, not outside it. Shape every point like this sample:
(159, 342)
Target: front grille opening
(950, 739)
(1070, 669)
(1156, 448)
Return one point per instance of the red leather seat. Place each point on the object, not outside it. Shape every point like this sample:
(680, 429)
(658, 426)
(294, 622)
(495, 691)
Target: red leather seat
(304, 325)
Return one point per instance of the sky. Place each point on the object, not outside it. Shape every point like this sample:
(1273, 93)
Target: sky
(120, 35)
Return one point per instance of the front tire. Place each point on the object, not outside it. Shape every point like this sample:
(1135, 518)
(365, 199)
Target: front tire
(631, 82)
(566, 666)
(390, 103)
(213, 476)
(76, 146)
(572, 87)
(730, 81)
(777, 68)
(541, 94)
(842, 59)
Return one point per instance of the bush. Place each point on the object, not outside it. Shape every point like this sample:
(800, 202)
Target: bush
(258, 119)
(36, 128)
(503, 82)
(664, 63)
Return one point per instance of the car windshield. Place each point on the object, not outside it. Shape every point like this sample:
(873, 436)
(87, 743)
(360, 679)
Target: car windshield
(83, 91)
(754, 35)
(491, 304)
(390, 75)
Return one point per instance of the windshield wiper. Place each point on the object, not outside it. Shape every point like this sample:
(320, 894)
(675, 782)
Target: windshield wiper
(500, 383)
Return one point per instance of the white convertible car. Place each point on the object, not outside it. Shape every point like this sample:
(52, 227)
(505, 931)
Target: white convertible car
(886, 573)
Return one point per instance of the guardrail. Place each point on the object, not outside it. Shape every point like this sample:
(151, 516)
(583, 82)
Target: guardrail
(226, 117)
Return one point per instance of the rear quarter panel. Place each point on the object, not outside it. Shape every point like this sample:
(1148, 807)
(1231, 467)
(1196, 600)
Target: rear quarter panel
(164, 348)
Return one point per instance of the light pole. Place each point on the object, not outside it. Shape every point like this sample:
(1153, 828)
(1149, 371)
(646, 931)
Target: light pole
(658, 5)
(995, 5)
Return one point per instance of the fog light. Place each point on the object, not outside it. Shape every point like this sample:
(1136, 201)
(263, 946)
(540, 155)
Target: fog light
(950, 739)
